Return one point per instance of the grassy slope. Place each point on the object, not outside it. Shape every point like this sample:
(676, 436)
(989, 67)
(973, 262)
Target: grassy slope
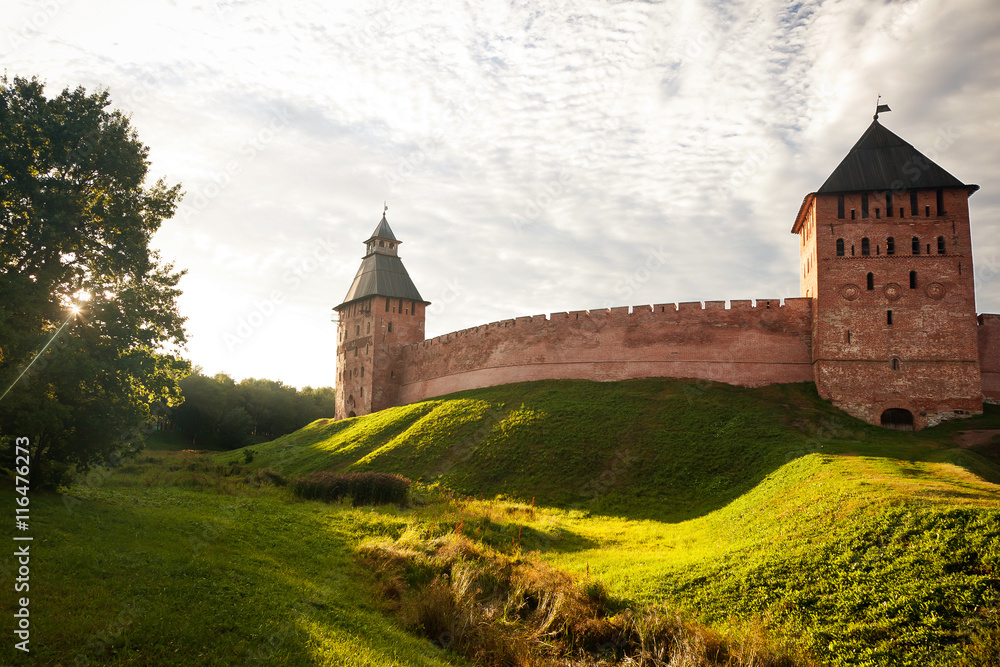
(183, 567)
(875, 547)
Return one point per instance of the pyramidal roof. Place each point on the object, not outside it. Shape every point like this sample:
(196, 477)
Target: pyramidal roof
(880, 160)
(382, 274)
(383, 231)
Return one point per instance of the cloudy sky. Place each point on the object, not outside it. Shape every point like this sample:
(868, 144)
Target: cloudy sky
(535, 156)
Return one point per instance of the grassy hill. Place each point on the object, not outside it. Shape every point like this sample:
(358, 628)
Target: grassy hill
(761, 513)
(762, 506)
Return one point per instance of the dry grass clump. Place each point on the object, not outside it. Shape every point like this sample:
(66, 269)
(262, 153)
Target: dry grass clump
(363, 488)
(500, 610)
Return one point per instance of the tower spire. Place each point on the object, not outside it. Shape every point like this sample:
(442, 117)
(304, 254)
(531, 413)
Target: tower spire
(880, 108)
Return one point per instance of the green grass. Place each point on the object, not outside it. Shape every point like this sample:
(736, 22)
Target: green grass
(185, 567)
(748, 510)
(740, 506)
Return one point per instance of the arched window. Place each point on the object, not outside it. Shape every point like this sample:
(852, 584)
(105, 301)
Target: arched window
(894, 363)
(888, 317)
(890, 246)
(865, 247)
(940, 245)
(913, 280)
(357, 330)
(369, 328)
(915, 243)
(840, 247)
(871, 281)
(390, 327)
(362, 371)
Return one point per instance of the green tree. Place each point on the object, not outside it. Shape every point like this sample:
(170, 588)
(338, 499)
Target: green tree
(76, 218)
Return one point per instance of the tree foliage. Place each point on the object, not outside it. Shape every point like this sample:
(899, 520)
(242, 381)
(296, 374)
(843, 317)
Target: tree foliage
(218, 412)
(76, 219)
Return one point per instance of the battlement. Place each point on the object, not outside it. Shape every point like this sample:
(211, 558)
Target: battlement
(748, 342)
(702, 312)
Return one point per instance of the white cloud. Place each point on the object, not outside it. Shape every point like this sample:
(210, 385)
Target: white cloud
(531, 153)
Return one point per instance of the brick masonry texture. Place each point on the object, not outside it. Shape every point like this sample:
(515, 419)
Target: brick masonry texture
(885, 326)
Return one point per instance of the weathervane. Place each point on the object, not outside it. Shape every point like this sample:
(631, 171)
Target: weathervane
(385, 207)
(880, 108)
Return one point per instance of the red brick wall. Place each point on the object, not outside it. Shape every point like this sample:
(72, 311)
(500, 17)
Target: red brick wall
(741, 345)
(367, 380)
(933, 334)
(989, 355)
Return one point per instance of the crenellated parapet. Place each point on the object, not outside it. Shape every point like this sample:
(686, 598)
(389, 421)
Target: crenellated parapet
(747, 343)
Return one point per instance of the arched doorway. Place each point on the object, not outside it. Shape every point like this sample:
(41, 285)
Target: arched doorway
(897, 419)
(351, 414)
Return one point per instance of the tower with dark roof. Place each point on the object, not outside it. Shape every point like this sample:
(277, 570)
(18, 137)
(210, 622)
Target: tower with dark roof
(886, 255)
(382, 312)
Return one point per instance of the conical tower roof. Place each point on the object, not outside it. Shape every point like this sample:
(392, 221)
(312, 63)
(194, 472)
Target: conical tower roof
(880, 160)
(383, 231)
(382, 272)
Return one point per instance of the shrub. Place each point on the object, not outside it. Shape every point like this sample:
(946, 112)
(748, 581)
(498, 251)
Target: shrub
(363, 488)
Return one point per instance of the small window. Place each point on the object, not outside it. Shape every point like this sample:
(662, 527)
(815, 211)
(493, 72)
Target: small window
(914, 205)
(840, 206)
(894, 363)
(355, 352)
(390, 327)
(848, 336)
(927, 211)
(840, 247)
(888, 203)
(391, 246)
(940, 201)
(878, 212)
(387, 304)
(915, 245)
(913, 280)
(357, 330)
(864, 205)
(890, 246)
(871, 281)
(940, 245)
(362, 371)
(852, 251)
(888, 317)
(400, 306)
(865, 247)
(362, 392)
(852, 214)
(901, 212)
(369, 330)
(381, 244)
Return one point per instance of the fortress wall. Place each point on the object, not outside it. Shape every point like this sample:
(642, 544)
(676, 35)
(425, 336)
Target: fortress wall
(989, 355)
(746, 344)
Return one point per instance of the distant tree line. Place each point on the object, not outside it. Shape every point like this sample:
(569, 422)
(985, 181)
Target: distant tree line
(218, 412)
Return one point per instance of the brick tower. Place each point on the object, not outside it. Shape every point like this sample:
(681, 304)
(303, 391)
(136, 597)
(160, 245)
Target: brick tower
(382, 312)
(886, 255)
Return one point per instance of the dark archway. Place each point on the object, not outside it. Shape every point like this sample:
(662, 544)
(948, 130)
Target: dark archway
(897, 419)
(351, 414)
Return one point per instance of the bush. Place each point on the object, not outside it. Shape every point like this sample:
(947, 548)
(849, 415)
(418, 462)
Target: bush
(363, 488)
